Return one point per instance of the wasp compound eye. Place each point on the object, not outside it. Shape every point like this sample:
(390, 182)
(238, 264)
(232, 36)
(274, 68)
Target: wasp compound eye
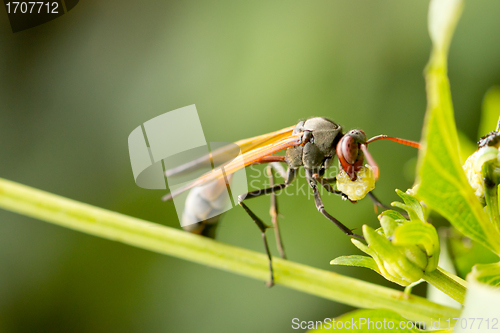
(348, 149)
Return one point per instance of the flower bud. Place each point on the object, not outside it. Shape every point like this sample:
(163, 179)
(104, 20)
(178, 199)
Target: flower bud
(488, 152)
(402, 250)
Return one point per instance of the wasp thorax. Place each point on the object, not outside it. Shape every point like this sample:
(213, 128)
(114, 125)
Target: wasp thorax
(320, 137)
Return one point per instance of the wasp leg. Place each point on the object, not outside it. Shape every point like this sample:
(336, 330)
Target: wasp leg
(377, 202)
(274, 214)
(326, 181)
(262, 226)
(321, 208)
(330, 179)
(290, 176)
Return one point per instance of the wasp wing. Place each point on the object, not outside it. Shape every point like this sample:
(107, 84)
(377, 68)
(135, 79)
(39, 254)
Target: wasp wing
(245, 146)
(259, 152)
(264, 139)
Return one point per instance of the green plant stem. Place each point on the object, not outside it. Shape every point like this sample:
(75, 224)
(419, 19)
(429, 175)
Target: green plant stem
(448, 283)
(146, 235)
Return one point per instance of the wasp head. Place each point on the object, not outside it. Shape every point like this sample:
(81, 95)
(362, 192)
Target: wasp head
(350, 152)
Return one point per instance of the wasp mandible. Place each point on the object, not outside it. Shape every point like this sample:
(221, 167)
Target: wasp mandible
(312, 144)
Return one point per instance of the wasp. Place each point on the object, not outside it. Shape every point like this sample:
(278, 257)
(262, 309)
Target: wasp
(311, 144)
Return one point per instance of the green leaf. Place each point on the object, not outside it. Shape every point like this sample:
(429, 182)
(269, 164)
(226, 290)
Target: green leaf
(490, 112)
(393, 214)
(443, 17)
(357, 261)
(389, 224)
(466, 253)
(378, 261)
(443, 185)
(411, 205)
(369, 321)
(486, 273)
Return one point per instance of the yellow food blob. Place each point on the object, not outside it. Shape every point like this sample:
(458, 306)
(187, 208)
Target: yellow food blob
(358, 189)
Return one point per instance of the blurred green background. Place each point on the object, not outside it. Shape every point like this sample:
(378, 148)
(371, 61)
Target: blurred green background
(73, 89)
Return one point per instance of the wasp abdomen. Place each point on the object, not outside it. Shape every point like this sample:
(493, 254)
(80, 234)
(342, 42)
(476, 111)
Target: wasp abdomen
(204, 207)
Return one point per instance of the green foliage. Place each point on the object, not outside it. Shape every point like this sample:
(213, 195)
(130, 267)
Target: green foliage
(356, 261)
(405, 251)
(466, 253)
(487, 274)
(411, 205)
(442, 183)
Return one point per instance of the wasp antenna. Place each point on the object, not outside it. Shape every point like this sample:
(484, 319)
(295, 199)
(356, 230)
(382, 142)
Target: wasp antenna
(370, 160)
(398, 140)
